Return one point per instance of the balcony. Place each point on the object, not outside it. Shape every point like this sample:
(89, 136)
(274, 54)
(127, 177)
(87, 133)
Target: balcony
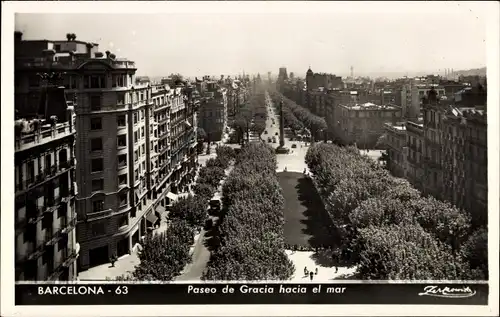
(45, 134)
(34, 213)
(44, 175)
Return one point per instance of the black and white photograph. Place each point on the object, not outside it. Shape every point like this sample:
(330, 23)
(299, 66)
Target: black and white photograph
(246, 153)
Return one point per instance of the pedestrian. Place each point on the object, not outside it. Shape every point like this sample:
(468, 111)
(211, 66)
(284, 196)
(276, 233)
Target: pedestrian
(311, 275)
(316, 271)
(305, 270)
(304, 171)
(113, 259)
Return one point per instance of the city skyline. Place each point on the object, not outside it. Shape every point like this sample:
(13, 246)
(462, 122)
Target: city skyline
(327, 41)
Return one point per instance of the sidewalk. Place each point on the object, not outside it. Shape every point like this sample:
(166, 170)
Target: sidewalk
(124, 266)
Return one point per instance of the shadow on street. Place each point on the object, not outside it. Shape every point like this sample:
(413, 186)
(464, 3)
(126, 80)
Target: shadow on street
(316, 222)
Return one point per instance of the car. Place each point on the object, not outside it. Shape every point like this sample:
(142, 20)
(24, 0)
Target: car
(215, 204)
(265, 132)
(276, 133)
(269, 140)
(294, 146)
(208, 224)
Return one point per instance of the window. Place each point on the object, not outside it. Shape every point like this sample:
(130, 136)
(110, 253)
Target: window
(96, 144)
(123, 198)
(95, 103)
(136, 175)
(143, 148)
(123, 221)
(118, 81)
(95, 124)
(122, 160)
(142, 132)
(95, 81)
(98, 229)
(142, 115)
(136, 156)
(135, 136)
(135, 117)
(122, 179)
(62, 244)
(98, 205)
(97, 165)
(122, 140)
(121, 121)
(120, 98)
(97, 184)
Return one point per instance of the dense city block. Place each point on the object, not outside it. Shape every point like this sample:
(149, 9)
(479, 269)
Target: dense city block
(247, 177)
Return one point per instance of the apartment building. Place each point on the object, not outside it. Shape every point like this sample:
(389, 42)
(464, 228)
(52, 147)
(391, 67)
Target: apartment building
(213, 112)
(327, 81)
(237, 96)
(45, 240)
(412, 94)
(396, 148)
(134, 151)
(447, 154)
(363, 124)
(432, 114)
(465, 161)
(414, 158)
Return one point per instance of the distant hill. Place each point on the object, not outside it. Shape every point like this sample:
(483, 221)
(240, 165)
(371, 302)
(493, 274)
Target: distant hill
(472, 72)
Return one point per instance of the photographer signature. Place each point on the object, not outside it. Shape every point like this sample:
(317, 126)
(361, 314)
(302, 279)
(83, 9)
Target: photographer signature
(448, 292)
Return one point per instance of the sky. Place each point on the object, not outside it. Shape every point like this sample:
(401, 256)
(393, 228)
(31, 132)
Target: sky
(382, 39)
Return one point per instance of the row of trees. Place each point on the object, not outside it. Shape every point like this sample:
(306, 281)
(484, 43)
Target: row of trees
(388, 228)
(252, 116)
(164, 255)
(309, 120)
(252, 222)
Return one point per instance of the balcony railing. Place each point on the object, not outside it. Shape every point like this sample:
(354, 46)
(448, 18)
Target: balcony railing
(44, 175)
(45, 134)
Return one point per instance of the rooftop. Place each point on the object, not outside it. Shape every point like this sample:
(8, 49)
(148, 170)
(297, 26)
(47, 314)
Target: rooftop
(370, 106)
(399, 126)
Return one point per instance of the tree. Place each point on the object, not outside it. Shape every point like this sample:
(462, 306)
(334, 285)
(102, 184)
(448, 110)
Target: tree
(251, 232)
(163, 257)
(475, 251)
(205, 191)
(200, 132)
(211, 175)
(191, 209)
(226, 154)
(447, 223)
(407, 253)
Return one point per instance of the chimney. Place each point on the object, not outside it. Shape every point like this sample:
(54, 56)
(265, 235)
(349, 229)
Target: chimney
(108, 53)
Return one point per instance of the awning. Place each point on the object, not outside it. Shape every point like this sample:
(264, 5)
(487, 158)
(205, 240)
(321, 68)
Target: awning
(152, 218)
(188, 124)
(160, 209)
(172, 196)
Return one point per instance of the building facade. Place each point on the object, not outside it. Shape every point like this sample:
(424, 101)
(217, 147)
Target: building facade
(45, 240)
(327, 81)
(396, 148)
(414, 158)
(447, 155)
(134, 151)
(213, 112)
(363, 124)
(411, 97)
(465, 161)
